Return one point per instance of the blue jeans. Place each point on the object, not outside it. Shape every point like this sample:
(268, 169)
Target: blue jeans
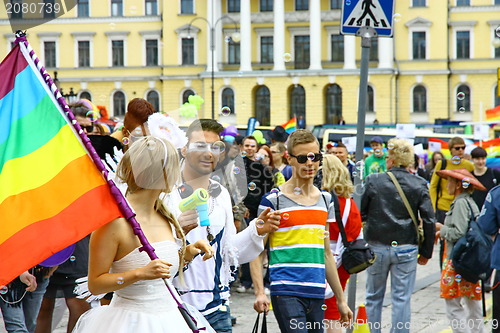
(220, 320)
(401, 261)
(296, 314)
(22, 318)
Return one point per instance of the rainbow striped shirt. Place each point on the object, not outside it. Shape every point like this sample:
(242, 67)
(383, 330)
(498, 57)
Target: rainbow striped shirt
(297, 253)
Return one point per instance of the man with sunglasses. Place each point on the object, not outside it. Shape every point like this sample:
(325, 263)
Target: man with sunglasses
(206, 284)
(300, 256)
(441, 199)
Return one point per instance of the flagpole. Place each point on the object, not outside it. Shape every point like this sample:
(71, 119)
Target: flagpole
(122, 202)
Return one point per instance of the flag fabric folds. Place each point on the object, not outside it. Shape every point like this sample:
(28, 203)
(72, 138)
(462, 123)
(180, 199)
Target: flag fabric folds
(493, 114)
(290, 125)
(51, 192)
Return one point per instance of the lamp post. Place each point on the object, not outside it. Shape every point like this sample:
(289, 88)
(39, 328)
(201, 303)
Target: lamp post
(235, 37)
(71, 96)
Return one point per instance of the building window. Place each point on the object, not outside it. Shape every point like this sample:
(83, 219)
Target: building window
(233, 52)
(266, 50)
(374, 49)
(337, 44)
(233, 6)
(496, 97)
(48, 9)
(263, 105)
(333, 104)
(84, 53)
(188, 51)
(419, 99)
(154, 98)
(118, 103)
(83, 8)
(370, 105)
(497, 49)
(497, 2)
(49, 50)
(16, 14)
(298, 102)
(301, 4)
(116, 7)
(151, 7)
(418, 44)
(418, 3)
(117, 53)
(151, 52)
(463, 2)
(302, 53)
(463, 44)
(186, 94)
(463, 98)
(335, 4)
(85, 95)
(228, 99)
(187, 7)
(266, 5)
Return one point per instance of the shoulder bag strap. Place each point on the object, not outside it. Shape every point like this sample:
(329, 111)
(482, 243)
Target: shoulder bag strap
(341, 223)
(403, 196)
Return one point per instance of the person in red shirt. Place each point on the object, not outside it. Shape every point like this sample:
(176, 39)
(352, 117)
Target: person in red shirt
(337, 181)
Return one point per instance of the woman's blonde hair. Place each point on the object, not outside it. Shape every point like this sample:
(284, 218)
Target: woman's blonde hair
(401, 151)
(153, 163)
(336, 177)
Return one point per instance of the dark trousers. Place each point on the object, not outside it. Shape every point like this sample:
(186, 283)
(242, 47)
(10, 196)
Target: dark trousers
(440, 215)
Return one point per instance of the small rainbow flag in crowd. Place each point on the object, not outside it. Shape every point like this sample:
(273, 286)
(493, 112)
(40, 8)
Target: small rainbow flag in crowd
(290, 125)
(493, 114)
(51, 192)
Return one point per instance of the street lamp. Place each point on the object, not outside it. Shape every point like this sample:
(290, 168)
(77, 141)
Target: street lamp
(71, 96)
(235, 37)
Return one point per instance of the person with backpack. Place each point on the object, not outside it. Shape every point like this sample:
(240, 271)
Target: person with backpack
(489, 221)
(462, 298)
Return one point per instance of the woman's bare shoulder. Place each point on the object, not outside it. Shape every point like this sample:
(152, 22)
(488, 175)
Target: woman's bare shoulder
(115, 229)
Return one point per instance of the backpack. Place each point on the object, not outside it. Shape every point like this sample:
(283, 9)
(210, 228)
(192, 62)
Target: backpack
(471, 255)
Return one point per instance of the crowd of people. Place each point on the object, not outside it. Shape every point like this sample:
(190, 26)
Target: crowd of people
(273, 213)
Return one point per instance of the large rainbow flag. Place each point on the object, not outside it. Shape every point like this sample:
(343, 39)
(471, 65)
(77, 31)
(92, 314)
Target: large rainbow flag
(290, 125)
(493, 114)
(51, 192)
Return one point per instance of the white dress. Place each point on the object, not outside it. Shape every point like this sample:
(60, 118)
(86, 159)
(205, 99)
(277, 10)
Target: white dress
(143, 307)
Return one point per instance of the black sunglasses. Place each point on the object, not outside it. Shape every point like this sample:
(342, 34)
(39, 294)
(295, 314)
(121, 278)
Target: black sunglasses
(313, 157)
(459, 147)
(89, 128)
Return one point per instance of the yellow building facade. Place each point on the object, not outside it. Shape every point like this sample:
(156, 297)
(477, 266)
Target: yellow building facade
(273, 59)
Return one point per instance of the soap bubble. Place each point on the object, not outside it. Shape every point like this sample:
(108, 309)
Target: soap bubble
(465, 183)
(324, 307)
(456, 160)
(225, 111)
(394, 243)
(252, 186)
(461, 96)
(390, 145)
(72, 258)
(93, 116)
(396, 17)
(297, 191)
(461, 109)
(120, 280)
(497, 31)
(243, 153)
(125, 141)
(236, 170)
(216, 178)
(3, 290)
(151, 145)
(287, 57)
(259, 223)
(285, 216)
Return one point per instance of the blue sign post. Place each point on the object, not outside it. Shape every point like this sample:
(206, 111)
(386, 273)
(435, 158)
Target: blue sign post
(377, 14)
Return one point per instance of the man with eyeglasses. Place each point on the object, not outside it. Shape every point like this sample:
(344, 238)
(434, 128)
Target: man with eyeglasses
(441, 199)
(207, 282)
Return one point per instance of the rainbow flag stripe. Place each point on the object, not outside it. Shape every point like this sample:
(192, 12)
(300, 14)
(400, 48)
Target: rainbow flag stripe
(290, 125)
(51, 192)
(493, 114)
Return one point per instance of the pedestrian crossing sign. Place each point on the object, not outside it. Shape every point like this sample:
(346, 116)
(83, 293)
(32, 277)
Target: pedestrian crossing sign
(377, 14)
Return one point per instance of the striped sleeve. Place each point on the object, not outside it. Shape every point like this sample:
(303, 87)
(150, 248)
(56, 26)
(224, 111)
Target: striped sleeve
(266, 202)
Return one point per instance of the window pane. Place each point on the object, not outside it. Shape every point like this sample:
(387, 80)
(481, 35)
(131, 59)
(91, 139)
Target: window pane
(116, 8)
(263, 105)
(374, 49)
(266, 5)
(186, 94)
(233, 6)
(50, 54)
(418, 3)
(370, 105)
(333, 104)
(151, 52)
(463, 44)
(302, 53)
(154, 98)
(301, 4)
(83, 8)
(463, 98)
(298, 102)
(228, 99)
(419, 45)
(119, 104)
(337, 47)
(497, 98)
(117, 52)
(419, 99)
(266, 50)
(151, 7)
(463, 2)
(335, 4)
(84, 53)
(187, 7)
(497, 2)
(48, 9)
(233, 53)
(188, 51)
(17, 12)
(497, 49)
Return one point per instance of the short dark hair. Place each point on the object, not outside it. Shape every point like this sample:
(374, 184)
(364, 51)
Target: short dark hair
(79, 109)
(249, 137)
(478, 152)
(456, 140)
(208, 125)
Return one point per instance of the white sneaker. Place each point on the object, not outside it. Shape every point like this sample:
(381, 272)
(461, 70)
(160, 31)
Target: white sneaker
(241, 289)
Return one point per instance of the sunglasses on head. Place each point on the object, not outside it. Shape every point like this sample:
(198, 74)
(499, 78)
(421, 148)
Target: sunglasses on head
(313, 157)
(459, 147)
(89, 128)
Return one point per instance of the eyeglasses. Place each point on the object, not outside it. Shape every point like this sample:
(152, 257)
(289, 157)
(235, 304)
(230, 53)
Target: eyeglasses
(216, 147)
(459, 148)
(88, 128)
(313, 157)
